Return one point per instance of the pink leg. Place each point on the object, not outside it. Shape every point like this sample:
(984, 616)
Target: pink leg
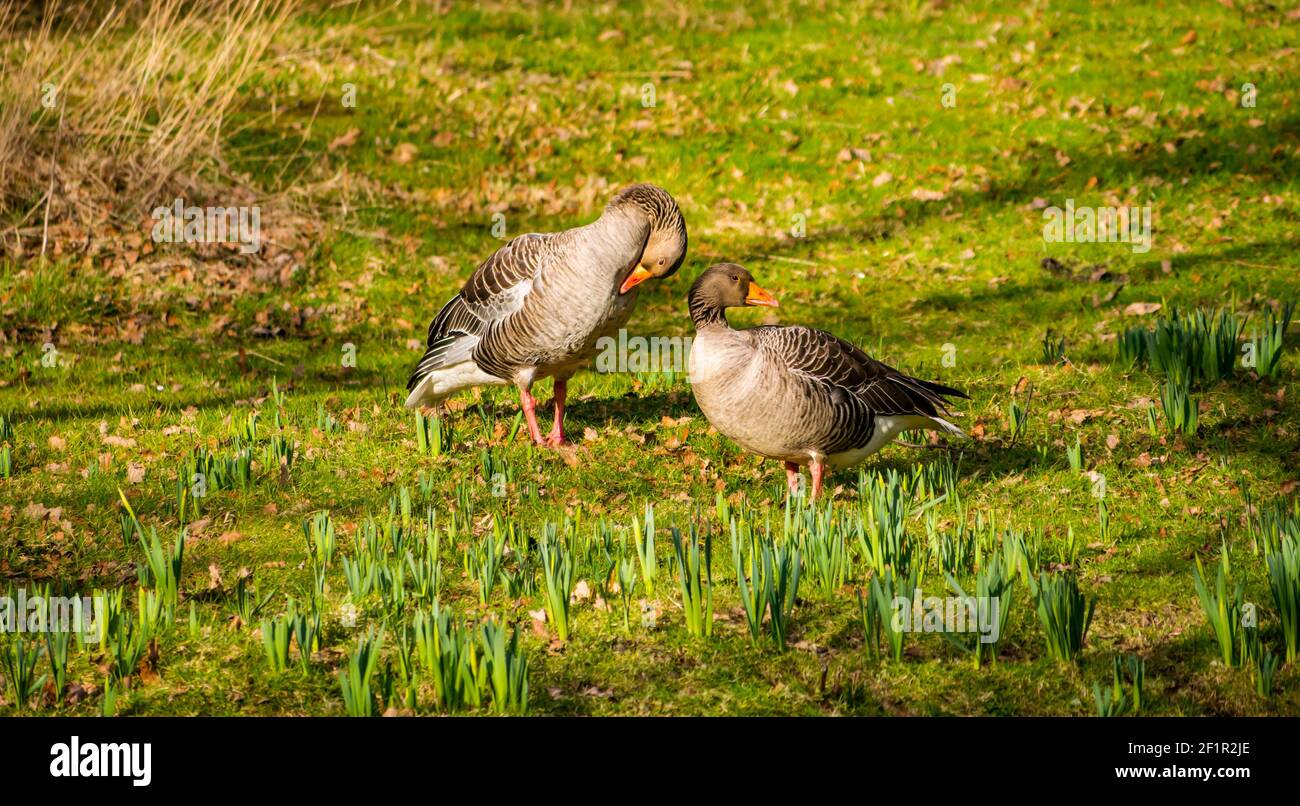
(556, 439)
(792, 478)
(529, 404)
(818, 472)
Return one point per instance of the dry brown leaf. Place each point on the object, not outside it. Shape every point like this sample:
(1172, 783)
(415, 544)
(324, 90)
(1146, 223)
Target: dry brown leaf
(345, 140)
(405, 153)
(1142, 308)
(539, 623)
(569, 454)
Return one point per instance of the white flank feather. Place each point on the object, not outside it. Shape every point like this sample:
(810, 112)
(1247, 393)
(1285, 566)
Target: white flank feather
(442, 383)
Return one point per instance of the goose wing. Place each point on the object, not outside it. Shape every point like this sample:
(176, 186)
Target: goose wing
(495, 292)
(847, 376)
(499, 286)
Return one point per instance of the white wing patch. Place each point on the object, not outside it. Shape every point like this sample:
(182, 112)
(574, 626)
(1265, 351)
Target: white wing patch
(507, 302)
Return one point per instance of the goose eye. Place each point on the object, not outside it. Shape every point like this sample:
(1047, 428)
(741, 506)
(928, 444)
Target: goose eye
(735, 278)
(663, 260)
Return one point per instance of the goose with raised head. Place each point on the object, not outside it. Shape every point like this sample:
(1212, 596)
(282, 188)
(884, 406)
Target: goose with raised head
(797, 394)
(537, 307)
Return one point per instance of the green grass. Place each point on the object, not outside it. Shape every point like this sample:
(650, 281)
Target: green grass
(790, 117)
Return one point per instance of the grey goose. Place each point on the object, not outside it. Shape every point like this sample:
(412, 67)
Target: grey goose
(537, 307)
(797, 394)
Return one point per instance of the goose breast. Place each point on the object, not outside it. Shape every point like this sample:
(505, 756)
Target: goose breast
(754, 399)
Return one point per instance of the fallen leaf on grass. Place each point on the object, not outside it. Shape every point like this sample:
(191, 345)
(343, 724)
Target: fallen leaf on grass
(345, 140)
(568, 454)
(539, 622)
(1080, 416)
(405, 153)
(1142, 308)
(1106, 299)
(149, 666)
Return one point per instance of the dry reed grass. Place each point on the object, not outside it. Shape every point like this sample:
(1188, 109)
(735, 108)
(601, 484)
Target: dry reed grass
(105, 113)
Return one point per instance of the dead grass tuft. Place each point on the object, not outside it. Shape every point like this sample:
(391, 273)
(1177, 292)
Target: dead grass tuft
(105, 114)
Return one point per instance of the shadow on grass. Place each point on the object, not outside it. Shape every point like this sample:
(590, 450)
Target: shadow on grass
(1227, 153)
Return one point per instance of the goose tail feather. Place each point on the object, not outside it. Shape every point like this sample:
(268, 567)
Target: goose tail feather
(948, 428)
(447, 367)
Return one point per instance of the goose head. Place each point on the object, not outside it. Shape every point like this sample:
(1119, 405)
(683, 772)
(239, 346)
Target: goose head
(723, 286)
(665, 248)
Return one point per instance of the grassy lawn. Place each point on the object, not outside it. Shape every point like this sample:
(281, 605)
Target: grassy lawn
(882, 169)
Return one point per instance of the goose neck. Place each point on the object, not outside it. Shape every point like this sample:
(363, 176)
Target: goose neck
(708, 316)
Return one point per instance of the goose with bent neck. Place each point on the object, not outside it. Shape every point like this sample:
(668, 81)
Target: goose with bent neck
(537, 307)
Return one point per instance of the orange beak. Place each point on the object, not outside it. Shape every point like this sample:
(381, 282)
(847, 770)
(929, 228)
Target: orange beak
(760, 296)
(634, 279)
